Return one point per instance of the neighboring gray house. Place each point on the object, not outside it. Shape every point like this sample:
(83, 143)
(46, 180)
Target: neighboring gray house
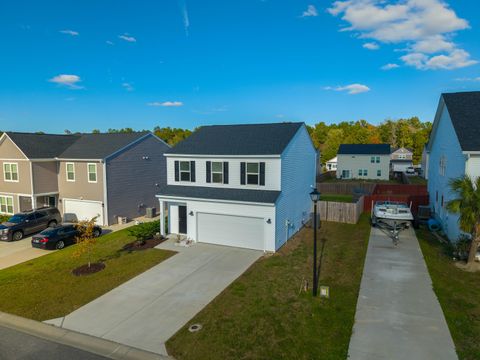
(363, 161)
(453, 150)
(401, 159)
(240, 185)
(86, 175)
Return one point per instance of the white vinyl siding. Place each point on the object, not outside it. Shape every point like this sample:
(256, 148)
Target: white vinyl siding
(10, 172)
(6, 205)
(70, 169)
(92, 173)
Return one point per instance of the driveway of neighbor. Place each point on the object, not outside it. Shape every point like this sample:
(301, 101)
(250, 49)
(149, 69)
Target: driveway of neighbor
(398, 315)
(147, 310)
(16, 252)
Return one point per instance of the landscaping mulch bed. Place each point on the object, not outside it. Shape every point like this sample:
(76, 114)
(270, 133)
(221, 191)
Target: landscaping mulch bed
(87, 270)
(148, 244)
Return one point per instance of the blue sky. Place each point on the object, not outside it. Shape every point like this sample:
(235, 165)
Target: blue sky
(81, 65)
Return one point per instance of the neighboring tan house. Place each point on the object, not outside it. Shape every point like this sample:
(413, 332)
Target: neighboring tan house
(401, 159)
(453, 151)
(331, 164)
(245, 186)
(86, 175)
(363, 161)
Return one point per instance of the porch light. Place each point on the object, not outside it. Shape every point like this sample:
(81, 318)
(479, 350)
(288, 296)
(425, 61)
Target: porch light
(190, 213)
(315, 195)
(269, 221)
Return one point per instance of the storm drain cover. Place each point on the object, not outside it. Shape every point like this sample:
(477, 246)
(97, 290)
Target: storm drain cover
(195, 327)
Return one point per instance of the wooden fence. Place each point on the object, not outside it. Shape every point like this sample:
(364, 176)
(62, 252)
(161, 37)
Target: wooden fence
(340, 211)
(346, 188)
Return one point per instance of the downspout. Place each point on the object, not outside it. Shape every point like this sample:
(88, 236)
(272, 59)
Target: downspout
(105, 194)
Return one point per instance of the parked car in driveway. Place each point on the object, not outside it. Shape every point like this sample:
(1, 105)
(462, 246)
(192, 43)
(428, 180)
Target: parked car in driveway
(29, 222)
(59, 237)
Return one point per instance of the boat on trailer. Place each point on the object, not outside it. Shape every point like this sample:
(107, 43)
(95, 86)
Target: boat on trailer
(393, 216)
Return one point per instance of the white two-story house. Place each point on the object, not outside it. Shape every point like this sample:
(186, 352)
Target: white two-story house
(363, 161)
(240, 185)
(453, 150)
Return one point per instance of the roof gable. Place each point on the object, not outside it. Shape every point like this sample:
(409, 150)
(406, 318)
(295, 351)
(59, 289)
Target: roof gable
(246, 139)
(364, 149)
(464, 111)
(78, 146)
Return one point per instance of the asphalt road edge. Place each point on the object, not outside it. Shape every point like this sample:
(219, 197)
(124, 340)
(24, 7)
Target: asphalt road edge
(98, 346)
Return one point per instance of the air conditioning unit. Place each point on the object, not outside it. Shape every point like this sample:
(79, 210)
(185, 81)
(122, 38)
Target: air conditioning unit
(150, 212)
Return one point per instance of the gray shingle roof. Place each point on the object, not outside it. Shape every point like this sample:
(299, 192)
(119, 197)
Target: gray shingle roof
(99, 146)
(364, 149)
(42, 146)
(81, 146)
(464, 110)
(201, 192)
(246, 139)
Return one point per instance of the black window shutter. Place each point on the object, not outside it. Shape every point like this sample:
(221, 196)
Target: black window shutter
(262, 173)
(209, 171)
(177, 171)
(242, 173)
(192, 171)
(225, 172)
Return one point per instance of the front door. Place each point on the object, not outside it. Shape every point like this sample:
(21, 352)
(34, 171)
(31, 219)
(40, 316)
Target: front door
(182, 219)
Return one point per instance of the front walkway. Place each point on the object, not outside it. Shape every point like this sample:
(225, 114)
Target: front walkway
(147, 310)
(398, 315)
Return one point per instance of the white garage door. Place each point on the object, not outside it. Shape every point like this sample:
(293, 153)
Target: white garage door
(238, 231)
(83, 210)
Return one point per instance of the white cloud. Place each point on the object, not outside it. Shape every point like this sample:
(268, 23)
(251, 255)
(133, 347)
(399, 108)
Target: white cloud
(127, 38)
(390, 66)
(351, 89)
(456, 59)
(109, 42)
(311, 11)
(128, 86)
(70, 32)
(186, 19)
(371, 46)
(424, 26)
(66, 80)
(166, 103)
(468, 79)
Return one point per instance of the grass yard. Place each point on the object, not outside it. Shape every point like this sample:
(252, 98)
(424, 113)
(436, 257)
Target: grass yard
(337, 198)
(417, 180)
(44, 288)
(264, 315)
(459, 295)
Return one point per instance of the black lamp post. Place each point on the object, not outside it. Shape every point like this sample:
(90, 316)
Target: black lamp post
(315, 196)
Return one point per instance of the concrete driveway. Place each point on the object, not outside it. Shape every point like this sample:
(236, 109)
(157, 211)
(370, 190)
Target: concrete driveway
(398, 315)
(147, 310)
(16, 252)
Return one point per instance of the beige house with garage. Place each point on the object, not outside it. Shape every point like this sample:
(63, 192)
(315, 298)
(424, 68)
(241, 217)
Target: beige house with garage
(84, 175)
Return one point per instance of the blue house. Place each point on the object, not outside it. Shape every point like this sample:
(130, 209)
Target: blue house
(240, 185)
(453, 151)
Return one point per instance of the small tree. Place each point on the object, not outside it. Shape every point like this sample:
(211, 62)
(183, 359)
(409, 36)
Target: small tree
(468, 206)
(85, 239)
(144, 231)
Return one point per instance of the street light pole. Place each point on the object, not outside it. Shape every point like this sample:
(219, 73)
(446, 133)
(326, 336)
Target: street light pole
(315, 196)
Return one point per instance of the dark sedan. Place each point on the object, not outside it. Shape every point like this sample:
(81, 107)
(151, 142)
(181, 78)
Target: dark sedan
(59, 237)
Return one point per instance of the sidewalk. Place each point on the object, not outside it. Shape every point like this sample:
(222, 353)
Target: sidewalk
(398, 315)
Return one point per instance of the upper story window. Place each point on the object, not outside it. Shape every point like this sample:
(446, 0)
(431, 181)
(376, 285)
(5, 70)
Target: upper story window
(372, 159)
(70, 168)
(92, 173)
(10, 172)
(402, 156)
(217, 172)
(185, 171)
(443, 165)
(252, 173)
(377, 159)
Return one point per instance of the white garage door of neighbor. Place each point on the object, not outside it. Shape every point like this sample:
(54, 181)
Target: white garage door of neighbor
(238, 231)
(84, 210)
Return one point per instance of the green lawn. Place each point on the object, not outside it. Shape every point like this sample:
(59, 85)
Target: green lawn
(263, 315)
(417, 180)
(337, 198)
(44, 288)
(459, 295)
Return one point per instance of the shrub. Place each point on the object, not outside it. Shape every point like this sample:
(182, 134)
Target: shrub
(144, 231)
(4, 218)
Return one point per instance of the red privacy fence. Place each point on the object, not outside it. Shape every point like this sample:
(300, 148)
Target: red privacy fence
(415, 194)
